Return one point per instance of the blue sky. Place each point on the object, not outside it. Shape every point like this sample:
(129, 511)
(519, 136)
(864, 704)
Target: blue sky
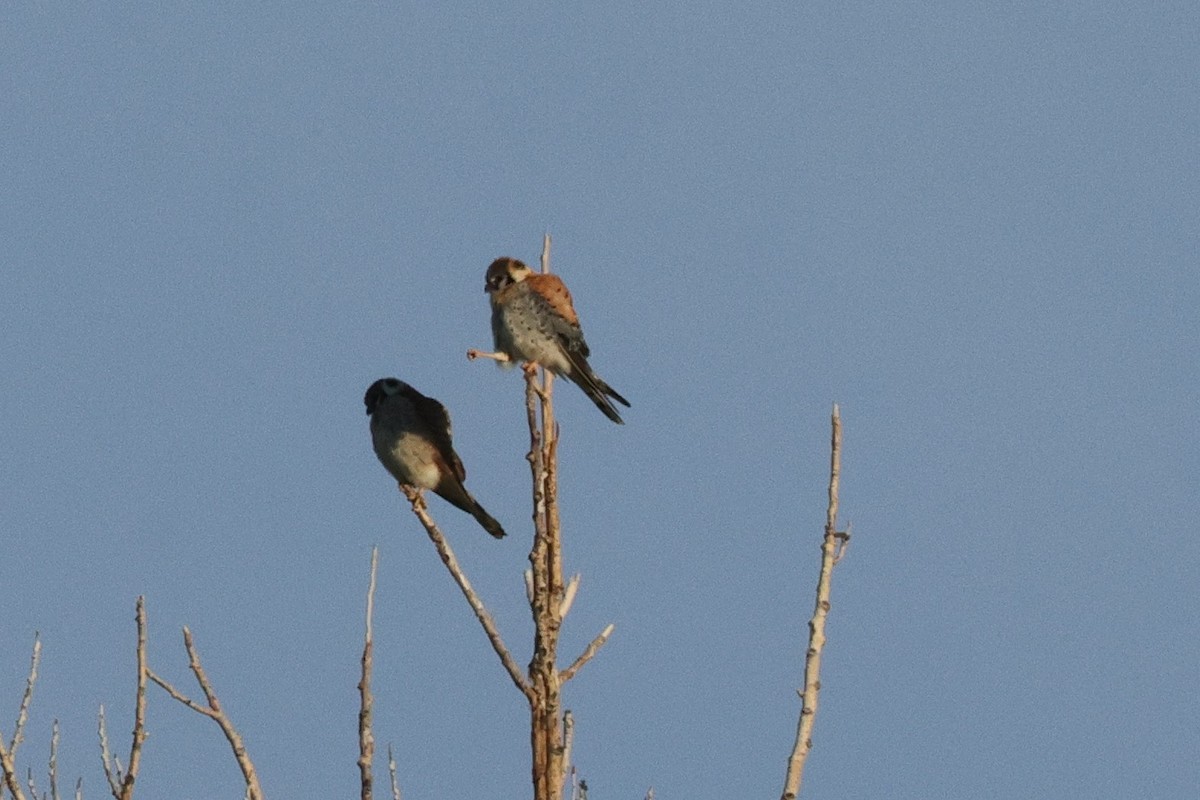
(974, 227)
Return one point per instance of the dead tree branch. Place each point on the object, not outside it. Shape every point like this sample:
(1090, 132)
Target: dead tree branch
(121, 781)
(366, 739)
(214, 711)
(832, 548)
(481, 613)
(392, 774)
(8, 753)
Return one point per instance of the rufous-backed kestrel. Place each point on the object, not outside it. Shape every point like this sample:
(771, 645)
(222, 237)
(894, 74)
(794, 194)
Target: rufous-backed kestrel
(534, 320)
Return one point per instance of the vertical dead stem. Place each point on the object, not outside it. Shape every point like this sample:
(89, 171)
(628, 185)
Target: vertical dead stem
(831, 549)
(546, 561)
(366, 739)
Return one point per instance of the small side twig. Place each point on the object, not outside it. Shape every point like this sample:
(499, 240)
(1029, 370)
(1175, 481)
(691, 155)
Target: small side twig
(568, 596)
(568, 743)
(27, 697)
(832, 547)
(481, 613)
(392, 773)
(112, 767)
(214, 711)
(53, 770)
(586, 656)
(366, 739)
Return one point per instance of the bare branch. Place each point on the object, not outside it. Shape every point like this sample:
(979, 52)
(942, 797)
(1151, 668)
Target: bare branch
(569, 596)
(112, 770)
(586, 656)
(10, 774)
(830, 547)
(180, 696)
(53, 767)
(7, 761)
(392, 773)
(481, 613)
(568, 743)
(366, 739)
(26, 698)
(139, 710)
(216, 713)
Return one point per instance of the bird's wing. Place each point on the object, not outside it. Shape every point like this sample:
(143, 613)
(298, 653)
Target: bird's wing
(553, 299)
(437, 421)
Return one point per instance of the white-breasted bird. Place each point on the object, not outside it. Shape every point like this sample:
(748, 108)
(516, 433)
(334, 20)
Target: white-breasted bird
(534, 320)
(412, 438)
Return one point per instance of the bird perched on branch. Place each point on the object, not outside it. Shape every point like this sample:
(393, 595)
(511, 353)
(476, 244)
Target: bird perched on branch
(534, 320)
(411, 435)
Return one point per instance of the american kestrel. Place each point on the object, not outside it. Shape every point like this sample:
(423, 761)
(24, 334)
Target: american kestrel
(533, 320)
(411, 435)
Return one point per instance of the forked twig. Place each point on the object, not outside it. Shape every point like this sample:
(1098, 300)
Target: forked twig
(214, 711)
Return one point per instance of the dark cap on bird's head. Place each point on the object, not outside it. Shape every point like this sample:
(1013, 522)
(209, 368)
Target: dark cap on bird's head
(381, 389)
(504, 271)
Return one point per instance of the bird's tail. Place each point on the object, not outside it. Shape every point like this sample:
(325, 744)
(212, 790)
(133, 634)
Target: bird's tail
(598, 391)
(487, 521)
(455, 493)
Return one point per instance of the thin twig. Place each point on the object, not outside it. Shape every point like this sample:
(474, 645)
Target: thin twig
(112, 771)
(586, 656)
(27, 697)
(180, 696)
(568, 727)
(53, 771)
(568, 596)
(53, 768)
(231, 734)
(8, 753)
(215, 712)
(816, 639)
(481, 613)
(366, 739)
(139, 710)
(392, 773)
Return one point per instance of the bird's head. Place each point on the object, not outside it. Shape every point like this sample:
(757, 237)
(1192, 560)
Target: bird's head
(505, 272)
(381, 390)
